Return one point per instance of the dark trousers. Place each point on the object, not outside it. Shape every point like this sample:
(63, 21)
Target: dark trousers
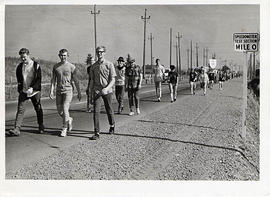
(109, 110)
(21, 108)
(119, 94)
(133, 95)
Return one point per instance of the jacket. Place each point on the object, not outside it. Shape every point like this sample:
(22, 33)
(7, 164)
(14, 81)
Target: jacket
(35, 84)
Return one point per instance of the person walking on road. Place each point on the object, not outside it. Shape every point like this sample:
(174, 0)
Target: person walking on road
(204, 80)
(102, 79)
(221, 79)
(133, 85)
(158, 71)
(90, 62)
(28, 75)
(120, 83)
(211, 76)
(173, 83)
(192, 81)
(63, 74)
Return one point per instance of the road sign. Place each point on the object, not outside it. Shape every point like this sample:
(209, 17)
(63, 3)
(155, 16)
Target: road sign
(246, 42)
(213, 63)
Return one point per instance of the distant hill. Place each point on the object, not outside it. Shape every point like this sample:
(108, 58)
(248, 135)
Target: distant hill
(46, 69)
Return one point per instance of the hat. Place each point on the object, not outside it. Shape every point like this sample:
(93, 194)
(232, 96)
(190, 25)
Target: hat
(172, 66)
(121, 59)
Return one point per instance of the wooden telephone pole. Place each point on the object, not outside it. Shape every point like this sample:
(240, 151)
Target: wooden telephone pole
(144, 35)
(95, 27)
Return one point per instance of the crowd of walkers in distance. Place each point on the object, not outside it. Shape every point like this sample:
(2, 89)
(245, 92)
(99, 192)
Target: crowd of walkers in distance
(126, 76)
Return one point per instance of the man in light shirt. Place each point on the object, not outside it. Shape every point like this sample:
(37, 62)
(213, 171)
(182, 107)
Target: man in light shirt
(63, 74)
(102, 79)
(158, 71)
(28, 75)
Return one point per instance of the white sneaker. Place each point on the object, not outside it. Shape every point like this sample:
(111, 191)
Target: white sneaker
(138, 111)
(131, 113)
(70, 123)
(63, 132)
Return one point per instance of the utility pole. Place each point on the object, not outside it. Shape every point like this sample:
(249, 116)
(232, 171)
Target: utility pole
(179, 56)
(206, 60)
(254, 65)
(197, 63)
(187, 58)
(203, 57)
(176, 55)
(144, 35)
(191, 54)
(95, 27)
(170, 46)
(151, 38)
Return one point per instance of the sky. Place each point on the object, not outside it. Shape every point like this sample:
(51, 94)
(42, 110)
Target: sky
(45, 29)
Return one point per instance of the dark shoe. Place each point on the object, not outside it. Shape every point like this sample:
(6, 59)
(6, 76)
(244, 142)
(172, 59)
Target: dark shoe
(41, 129)
(171, 101)
(111, 131)
(95, 137)
(174, 100)
(14, 132)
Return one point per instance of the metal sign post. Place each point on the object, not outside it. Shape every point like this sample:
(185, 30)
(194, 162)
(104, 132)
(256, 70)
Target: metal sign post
(245, 42)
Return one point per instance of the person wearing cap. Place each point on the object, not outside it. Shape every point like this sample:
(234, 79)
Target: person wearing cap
(133, 84)
(203, 80)
(28, 74)
(173, 83)
(90, 62)
(102, 79)
(158, 71)
(120, 83)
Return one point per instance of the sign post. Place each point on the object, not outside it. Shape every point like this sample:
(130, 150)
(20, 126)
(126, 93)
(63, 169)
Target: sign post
(245, 42)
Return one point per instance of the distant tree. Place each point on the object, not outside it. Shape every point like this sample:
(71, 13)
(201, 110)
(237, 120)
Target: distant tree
(89, 59)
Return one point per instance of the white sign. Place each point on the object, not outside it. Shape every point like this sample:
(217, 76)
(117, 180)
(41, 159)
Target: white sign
(213, 63)
(246, 42)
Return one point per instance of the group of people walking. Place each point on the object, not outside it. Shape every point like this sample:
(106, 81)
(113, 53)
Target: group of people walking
(103, 75)
(205, 79)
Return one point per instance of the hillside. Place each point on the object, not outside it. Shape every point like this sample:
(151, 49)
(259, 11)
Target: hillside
(46, 68)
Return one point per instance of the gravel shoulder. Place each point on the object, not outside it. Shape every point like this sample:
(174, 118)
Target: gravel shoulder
(195, 138)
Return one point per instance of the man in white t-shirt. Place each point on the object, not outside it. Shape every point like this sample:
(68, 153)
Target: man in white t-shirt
(158, 71)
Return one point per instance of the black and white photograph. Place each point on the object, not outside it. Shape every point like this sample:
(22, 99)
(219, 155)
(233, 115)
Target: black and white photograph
(165, 94)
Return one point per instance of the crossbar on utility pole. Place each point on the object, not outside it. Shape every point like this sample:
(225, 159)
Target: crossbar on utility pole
(144, 35)
(95, 28)
(151, 38)
(179, 55)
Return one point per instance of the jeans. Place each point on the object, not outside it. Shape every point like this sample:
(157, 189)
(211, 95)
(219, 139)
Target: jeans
(173, 91)
(63, 101)
(109, 110)
(133, 94)
(21, 109)
(158, 89)
(192, 86)
(119, 94)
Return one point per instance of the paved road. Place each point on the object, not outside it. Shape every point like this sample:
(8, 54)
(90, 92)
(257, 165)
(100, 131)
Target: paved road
(30, 146)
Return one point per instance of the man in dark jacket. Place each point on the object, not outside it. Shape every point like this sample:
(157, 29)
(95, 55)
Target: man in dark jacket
(28, 75)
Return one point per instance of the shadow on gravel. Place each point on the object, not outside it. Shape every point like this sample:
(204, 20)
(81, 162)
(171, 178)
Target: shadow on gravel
(192, 143)
(183, 124)
(234, 97)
